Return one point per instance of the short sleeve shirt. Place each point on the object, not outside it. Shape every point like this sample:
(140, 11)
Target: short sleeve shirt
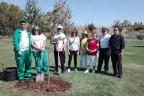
(38, 40)
(73, 43)
(92, 45)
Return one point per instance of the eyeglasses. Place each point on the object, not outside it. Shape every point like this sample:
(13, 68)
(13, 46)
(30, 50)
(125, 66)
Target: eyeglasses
(103, 31)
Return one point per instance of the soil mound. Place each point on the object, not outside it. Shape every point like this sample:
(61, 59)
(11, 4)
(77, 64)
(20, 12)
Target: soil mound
(55, 84)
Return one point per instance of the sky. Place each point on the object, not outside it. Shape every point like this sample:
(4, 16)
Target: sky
(99, 12)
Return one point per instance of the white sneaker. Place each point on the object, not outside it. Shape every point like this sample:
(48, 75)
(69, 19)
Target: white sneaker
(69, 70)
(93, 71)
(75, 70)
(87, 71)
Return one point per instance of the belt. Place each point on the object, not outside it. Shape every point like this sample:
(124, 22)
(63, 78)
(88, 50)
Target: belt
(104, 48)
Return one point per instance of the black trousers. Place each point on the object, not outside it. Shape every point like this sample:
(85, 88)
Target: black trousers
(103, 57)
(72, 53)
(62, 60)
(116, 63)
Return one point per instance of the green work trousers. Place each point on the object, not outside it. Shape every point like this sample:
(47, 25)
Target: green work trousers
(24, 58)
(41, 57)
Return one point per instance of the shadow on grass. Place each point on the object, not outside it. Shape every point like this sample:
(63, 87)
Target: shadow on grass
(51, 69)
(137, 46)
(104, 73)
(1, 75)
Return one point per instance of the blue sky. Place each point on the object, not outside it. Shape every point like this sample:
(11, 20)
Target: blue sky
(99, 12)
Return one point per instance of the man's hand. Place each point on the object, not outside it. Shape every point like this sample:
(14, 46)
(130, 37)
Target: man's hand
(68, 53)
(19, 53)
(77, 52)
(59, 49)
(108, 53)
(121, 54)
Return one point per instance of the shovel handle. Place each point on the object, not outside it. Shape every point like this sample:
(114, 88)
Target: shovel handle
(2, 66)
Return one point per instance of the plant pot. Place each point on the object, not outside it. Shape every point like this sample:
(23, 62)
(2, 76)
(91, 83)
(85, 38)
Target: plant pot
(10, 74)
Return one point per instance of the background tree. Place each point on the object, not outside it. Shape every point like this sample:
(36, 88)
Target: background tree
(90, 27)
(119, 24)
(40, 22)
(10, 15)
(61, 15)
(127, 25)
(32, 12)
(139, 27)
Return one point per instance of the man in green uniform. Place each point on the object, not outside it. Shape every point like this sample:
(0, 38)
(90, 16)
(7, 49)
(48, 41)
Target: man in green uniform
(22, 49)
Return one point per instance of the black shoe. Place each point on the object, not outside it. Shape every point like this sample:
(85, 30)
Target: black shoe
(121, 77)
(98, 71)
(46, 74)
(29, 77)
(56, 73)
(115, 74)
(63, 72)
(21, 81)
(106, 71)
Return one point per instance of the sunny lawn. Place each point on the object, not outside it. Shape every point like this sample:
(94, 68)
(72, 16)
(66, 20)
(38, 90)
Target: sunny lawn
(86, 84)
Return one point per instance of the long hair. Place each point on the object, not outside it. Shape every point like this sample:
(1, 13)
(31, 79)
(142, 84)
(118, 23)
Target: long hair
(33, 33)
(73, 32)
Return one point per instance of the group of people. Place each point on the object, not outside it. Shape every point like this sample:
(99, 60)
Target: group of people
(89, 49)
(97, 47)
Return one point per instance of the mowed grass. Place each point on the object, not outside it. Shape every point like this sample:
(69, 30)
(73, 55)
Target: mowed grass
(86, 84)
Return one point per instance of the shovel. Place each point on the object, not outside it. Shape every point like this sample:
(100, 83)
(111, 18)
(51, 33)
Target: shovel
(40, 76)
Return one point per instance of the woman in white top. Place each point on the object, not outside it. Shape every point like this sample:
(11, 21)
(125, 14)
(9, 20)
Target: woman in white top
(39, 51)
(73, 49)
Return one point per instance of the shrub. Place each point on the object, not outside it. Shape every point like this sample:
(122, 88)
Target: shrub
(140, 37)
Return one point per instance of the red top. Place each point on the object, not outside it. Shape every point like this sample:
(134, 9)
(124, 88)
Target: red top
(92, 45)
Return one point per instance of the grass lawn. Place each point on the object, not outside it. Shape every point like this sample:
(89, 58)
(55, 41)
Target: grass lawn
(86, 84)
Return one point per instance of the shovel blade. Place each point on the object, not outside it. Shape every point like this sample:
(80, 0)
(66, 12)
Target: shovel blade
(40, 77)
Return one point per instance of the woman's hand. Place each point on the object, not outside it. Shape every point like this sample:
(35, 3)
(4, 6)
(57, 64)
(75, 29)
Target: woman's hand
(41, 49)
(19, 53)
(68, 53)
(77, 52)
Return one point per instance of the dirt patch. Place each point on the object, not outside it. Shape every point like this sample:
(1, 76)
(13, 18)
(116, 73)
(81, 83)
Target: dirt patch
(55, 84)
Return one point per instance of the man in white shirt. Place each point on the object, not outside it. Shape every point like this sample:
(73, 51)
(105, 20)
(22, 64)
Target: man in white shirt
(22, 49)
(59, 40)
(104, 47)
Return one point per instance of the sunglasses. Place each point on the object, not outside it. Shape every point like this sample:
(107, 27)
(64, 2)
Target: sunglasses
(36, 29)
(103, 31)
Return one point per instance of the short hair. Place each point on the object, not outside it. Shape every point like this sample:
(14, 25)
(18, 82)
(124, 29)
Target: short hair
(117, 28)
(22, 21)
